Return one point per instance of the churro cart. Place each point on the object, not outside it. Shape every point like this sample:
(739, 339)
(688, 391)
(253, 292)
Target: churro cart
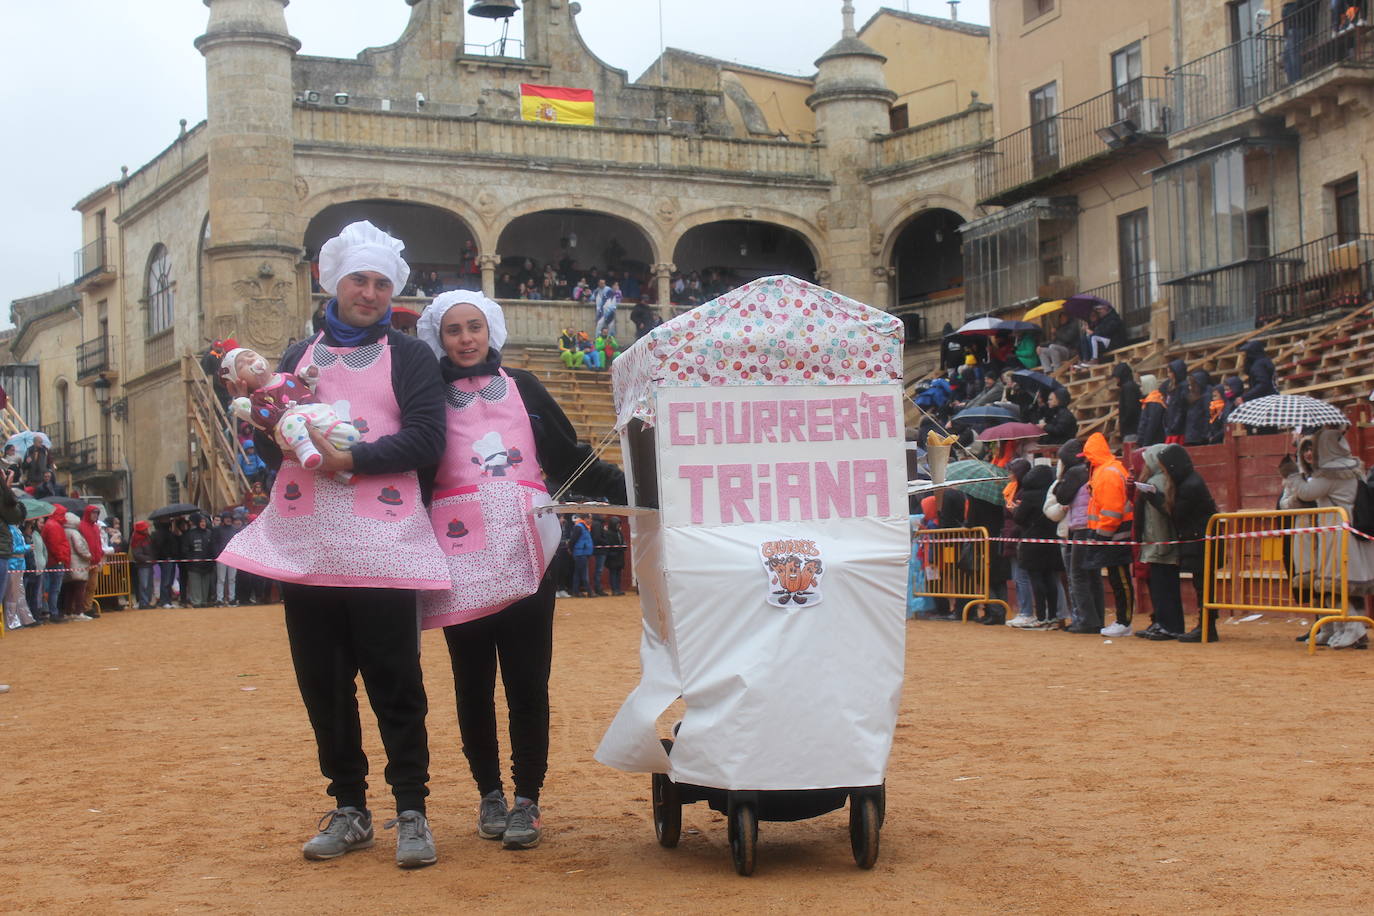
(765, 430)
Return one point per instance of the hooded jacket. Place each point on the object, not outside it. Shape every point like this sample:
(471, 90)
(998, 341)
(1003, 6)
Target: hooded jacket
(1149, 429)
(141, 545)
(1259, 371)
(55, 539)
(1192, 506)
(1067, 501)
(1030, 517)
(1110, 327)
(91, 531)
(1060, 423)
(1127, 399)
(1176, 411)
(79, 569)
(1197, 427)
(1109, 510)
(1153, 524)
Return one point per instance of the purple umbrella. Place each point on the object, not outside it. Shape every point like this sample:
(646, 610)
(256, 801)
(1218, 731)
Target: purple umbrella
(1011, 431)
(1082, 305)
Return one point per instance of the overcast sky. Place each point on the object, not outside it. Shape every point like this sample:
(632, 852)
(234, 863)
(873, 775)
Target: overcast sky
(90, 85)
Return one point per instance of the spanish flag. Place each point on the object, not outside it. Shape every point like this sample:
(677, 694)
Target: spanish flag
(557, 104)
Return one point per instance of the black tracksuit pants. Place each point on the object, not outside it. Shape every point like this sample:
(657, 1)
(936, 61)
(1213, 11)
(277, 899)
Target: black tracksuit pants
(521, 637)
(335, 634)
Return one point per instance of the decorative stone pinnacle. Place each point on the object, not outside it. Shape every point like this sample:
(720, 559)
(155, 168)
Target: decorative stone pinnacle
(848, 12)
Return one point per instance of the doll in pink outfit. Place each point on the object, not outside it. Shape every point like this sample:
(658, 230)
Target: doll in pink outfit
(283, 404)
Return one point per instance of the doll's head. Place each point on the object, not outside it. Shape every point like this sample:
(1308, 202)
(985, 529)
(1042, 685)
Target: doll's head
(247, 367)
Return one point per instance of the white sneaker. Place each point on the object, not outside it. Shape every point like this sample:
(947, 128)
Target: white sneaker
(82, 617)
(562, 593)
(1346, 635)
(1022, 622)
(1115, 630)
(4, 688)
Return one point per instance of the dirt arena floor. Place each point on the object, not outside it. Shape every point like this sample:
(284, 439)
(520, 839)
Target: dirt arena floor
(160, 762)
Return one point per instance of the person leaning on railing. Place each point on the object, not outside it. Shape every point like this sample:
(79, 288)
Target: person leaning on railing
(1328, 475)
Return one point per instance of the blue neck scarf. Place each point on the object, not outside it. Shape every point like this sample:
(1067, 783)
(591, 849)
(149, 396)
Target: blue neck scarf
(345, 335)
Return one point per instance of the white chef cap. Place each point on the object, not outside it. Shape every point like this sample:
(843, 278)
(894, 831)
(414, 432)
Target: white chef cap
(362, 246)
(431, 321)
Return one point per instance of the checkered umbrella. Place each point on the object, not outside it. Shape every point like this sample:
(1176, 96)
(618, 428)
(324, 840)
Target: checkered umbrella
(1288, 411)
(989, 491)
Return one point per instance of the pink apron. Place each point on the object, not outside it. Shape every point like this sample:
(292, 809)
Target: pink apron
(486, 489)
(372, 532)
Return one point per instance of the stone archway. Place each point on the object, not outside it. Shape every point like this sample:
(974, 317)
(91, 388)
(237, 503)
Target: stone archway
(728, 253)
(436, 241)
(927, 272)
(577, 244)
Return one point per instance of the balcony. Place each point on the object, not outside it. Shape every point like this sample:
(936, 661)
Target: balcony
(1281, 70)
(92, 265)
(1106, 126)
(57, 435)
(93, 360)
(1315, 277)
(159, 351)
(80, 455)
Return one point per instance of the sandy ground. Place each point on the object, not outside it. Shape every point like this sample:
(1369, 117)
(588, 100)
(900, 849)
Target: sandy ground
(160, 761)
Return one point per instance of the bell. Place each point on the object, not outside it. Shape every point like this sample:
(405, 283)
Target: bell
(493, 9)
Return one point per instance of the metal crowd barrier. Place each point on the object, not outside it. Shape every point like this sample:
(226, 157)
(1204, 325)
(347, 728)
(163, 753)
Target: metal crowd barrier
(956, 563)
(1267, 562)
(113, 580)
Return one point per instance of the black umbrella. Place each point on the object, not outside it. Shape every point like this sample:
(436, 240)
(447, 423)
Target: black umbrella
(70, 503)
(1033, 381)
(173, 510)
(980, 418)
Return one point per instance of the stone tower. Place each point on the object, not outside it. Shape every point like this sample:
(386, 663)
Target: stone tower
(251, 286)
(852, 104)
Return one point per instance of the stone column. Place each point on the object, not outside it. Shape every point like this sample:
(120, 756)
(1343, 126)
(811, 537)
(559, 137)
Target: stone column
(663, 277)
(882, 288)
(253, 250)
(488, 263)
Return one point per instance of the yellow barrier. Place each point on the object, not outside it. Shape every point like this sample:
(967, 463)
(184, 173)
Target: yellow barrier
(1305, 572)
(111, 581)
(956, 565)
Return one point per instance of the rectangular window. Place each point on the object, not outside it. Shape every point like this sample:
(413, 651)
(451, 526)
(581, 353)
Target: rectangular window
(1346, 198)
(1034, 9)
(1127, 71)
(1044, 106)
(1257, 234)
(1133, 258)
(898, 118)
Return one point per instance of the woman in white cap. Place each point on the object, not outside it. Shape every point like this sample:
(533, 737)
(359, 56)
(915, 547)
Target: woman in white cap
(508, 443)
(351, 555)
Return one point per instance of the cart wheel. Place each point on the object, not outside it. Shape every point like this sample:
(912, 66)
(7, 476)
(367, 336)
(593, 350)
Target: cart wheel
(744, 838)
(667, 811)
(864, 822)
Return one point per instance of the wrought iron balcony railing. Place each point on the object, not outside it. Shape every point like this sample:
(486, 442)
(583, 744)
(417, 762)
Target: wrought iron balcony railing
(57, 434)
(91, 259)
(1019, 164)
(93, 357)
(1254, 70)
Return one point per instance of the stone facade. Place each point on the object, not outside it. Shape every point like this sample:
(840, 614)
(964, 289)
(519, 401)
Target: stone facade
(293, 142)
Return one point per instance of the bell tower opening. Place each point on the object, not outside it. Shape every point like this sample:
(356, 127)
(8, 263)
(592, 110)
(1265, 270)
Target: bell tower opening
(496, 28)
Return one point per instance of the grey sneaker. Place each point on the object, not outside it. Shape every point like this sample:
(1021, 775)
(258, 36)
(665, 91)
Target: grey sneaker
(524, 826)
(414, 842)
(341, 830)
(491, 816)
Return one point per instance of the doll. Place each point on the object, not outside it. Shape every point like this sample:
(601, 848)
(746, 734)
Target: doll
(284, 404)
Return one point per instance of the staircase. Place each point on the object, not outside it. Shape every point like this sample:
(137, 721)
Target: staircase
(213, 478)
(11, 422)
(584, 394)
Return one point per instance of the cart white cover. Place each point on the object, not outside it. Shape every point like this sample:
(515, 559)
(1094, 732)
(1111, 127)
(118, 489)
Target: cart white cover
(773, 578)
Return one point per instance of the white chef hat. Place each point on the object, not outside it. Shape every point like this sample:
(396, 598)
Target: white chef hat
(362, 246)
(431, 321)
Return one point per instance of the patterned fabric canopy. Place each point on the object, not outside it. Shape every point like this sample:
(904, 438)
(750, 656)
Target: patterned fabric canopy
(986, 490)
(1288, 411)
(773, 331)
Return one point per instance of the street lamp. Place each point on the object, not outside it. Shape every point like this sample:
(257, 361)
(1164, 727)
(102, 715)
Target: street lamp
(119, 409)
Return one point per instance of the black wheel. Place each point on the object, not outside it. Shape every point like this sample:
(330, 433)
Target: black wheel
(744, 838)
(667, 811)
(864, 824)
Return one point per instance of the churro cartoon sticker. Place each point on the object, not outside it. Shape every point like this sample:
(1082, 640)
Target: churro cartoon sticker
(794, 567)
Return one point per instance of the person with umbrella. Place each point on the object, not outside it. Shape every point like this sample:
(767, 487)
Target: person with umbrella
(1331, 478)
(1105, 331)
(352, 556)
(1063, 347)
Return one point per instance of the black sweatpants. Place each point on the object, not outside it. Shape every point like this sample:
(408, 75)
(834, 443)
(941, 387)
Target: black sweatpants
(335, 634)
(1165, 596)
(521, 637)
(1123, 593)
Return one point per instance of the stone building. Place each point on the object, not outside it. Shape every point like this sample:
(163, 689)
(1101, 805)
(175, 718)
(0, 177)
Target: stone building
(857, 177)
(1196, 163)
